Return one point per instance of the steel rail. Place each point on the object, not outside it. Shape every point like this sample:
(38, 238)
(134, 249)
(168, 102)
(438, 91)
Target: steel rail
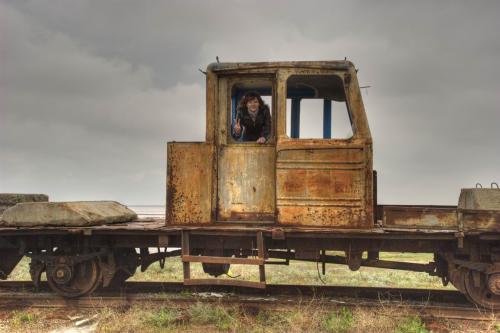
(426, 303)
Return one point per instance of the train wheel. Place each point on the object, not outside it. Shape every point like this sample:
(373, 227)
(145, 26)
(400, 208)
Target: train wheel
(75, 281)
(487, 293)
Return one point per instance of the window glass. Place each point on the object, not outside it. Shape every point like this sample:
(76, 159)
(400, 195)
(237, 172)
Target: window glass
(317, 108)
(252, 125)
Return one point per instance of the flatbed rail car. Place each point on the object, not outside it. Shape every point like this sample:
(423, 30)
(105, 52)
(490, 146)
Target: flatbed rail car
(294, 197)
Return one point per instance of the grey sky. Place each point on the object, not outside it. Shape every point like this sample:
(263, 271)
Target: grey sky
(91, 91)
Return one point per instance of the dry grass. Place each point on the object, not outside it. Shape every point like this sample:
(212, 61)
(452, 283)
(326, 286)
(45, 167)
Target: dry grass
(314, 316)
(205, 317)
(32, 320)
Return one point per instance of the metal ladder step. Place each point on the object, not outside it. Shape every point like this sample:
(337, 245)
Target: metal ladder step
(187, 259)
(222, 260)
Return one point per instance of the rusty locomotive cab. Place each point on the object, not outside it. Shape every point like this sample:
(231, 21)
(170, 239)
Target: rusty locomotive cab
(291, 181)
(304, 175)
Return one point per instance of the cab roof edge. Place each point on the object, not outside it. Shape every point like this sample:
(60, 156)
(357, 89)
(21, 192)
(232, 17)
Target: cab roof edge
(231, 66)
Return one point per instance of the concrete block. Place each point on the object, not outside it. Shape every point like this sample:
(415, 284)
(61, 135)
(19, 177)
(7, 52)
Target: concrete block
(10, 199)
(76, 213)
(479, 198)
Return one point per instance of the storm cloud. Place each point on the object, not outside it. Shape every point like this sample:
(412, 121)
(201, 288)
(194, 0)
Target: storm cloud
(91, 91)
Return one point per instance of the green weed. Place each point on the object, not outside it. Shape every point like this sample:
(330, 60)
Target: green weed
(339, 321)
(23, 318)
(411, 324)
(209, 314)
(163, 318)
(271, 319)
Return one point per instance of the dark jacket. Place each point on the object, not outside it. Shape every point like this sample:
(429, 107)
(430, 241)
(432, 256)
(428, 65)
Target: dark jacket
(251, 130)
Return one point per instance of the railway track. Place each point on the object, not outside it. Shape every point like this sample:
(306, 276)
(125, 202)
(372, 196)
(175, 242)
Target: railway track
(426, 303)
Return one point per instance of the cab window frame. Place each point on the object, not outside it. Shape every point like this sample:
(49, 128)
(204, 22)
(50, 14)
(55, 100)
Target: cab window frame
(232, 82)
(288, 113)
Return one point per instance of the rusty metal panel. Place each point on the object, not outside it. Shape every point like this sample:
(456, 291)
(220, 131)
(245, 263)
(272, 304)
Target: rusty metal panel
(211, 106)
(331, 187)
(223, 107)
(246, 184)
(313, 154)
(189, 183)
(322, 187)
(480, 220)
(420, 217)
(321, 216)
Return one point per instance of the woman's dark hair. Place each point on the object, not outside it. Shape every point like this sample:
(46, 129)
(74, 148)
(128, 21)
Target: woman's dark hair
(249, 96)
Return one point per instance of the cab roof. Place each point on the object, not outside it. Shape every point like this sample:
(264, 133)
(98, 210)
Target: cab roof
(344, 65)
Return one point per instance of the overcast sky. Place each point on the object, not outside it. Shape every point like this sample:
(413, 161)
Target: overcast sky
(91, 91)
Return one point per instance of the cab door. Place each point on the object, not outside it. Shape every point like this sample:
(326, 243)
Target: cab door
(324, 161)
(246, 185)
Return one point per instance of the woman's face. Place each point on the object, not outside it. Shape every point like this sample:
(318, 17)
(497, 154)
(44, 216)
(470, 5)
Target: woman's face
(253, 105)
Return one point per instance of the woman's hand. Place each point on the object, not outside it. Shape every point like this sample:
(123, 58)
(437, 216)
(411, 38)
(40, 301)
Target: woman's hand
(261, 140)
(237, 127)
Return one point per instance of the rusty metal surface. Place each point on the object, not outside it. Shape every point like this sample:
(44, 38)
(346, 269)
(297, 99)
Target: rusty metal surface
(321, 186)
(338, 179)
(310, 183)
(222, 260)
(246, 188)
(157, 226)
(472, 220)
(420, 217)
(189, 183)
(224, 282)
(245, 66)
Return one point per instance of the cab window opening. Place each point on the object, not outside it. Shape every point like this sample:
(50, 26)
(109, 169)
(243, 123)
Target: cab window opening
(317, 108)
(251, 119)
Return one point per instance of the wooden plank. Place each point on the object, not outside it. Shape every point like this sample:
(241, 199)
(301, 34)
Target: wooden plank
(186, 268)
(224, 282)
(261, 253)
(222, 260)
